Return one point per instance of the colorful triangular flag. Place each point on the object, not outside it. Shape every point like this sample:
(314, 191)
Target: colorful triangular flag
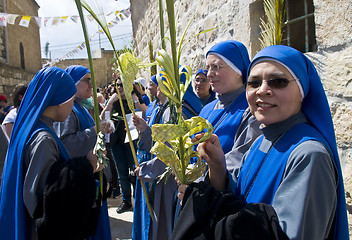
(55, 21)
(63, 19)
(74, 18)
(3, 17)
(11, 18)
(39, 21)
(25, 21)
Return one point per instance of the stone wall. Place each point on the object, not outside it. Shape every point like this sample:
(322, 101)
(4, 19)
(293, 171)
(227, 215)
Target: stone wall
(29, 37)
(11, 76)
(240, 20)
(2, 39)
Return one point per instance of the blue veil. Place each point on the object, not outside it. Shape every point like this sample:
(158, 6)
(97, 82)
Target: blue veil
(319, 115)
(77, 72)
(50, 87)
(235, 52)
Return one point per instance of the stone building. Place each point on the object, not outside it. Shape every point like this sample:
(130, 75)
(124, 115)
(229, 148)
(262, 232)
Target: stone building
(20, 55)
(321, 28)
(102, 66)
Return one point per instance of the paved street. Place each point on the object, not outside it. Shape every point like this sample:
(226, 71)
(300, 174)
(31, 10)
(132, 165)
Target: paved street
(121, 224)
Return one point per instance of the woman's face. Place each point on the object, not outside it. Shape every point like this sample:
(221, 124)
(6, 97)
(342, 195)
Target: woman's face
(201, 85)
(268, 104)
(120, 88)
(84, 87)
(64, 110)
(221, 76)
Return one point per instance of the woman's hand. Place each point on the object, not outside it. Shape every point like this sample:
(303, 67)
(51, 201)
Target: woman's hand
(140, 123)
(211, 151)
(94, 162)
(136, 171)
(106, 126)
(181, 191)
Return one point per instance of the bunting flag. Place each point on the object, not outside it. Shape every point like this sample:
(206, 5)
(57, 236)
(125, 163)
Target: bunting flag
(75, 19)
(11, 18)
(3, 19)
(6, 18)
(46, 21)
(55, 21)
(63, 19)
(25, 21)
(38, 21)
(116, 18)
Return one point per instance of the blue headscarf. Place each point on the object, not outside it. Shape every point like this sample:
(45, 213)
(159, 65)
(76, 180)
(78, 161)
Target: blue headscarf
(153, 78)
(50, 87)
(319, 115)
(204, 71)
(235, 55)
(77, 72)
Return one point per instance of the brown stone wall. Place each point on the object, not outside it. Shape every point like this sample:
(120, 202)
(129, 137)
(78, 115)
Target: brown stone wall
(2, 39)
(102, 67)
(29, 37)
(11, 76)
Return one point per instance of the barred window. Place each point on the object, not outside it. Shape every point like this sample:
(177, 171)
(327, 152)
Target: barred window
(299, 29)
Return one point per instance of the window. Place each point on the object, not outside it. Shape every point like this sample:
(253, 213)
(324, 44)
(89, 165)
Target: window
(22, 56)
(299, 29)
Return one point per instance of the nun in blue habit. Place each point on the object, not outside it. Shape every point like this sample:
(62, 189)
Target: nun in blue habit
(79, 136)
(150, 168)
(227, 64)
(32, 205)
(290, 181)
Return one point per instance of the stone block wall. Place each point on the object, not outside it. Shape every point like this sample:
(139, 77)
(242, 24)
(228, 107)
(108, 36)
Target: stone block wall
(29, 37)
(11, 76)
(102, 67)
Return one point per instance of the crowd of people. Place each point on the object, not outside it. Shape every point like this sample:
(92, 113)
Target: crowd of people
(272, 167)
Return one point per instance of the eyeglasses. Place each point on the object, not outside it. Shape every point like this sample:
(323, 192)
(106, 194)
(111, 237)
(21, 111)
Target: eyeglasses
(87, 80)
(201, 80)
(119, 85)
(277, 83)
(214, 67)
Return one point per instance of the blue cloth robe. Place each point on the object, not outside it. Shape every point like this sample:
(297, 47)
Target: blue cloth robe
(318, 115)
(141, 215)
(50, 87)
(261, 173)
(225, 121)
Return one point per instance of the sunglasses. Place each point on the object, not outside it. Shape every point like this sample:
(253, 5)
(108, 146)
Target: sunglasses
(277, 83)
(201, 80)
(119, 85)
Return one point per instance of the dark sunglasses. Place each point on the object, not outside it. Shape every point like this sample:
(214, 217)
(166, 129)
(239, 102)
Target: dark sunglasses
(119, 85)
(277, 83)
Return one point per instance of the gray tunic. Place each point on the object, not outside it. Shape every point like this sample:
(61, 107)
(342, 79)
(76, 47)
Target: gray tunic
(78, 142)
(164, 191)
(306, 199)
(41, 153)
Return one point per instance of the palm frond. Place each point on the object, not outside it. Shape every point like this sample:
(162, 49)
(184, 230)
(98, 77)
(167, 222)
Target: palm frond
(271, 29)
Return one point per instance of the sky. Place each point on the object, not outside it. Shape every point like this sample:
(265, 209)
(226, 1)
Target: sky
(63, 38)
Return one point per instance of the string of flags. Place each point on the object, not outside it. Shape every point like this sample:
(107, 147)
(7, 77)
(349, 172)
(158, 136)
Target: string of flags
(6, 18)
(119, 16)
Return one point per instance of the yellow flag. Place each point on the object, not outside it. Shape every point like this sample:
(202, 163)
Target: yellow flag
(25, 21)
